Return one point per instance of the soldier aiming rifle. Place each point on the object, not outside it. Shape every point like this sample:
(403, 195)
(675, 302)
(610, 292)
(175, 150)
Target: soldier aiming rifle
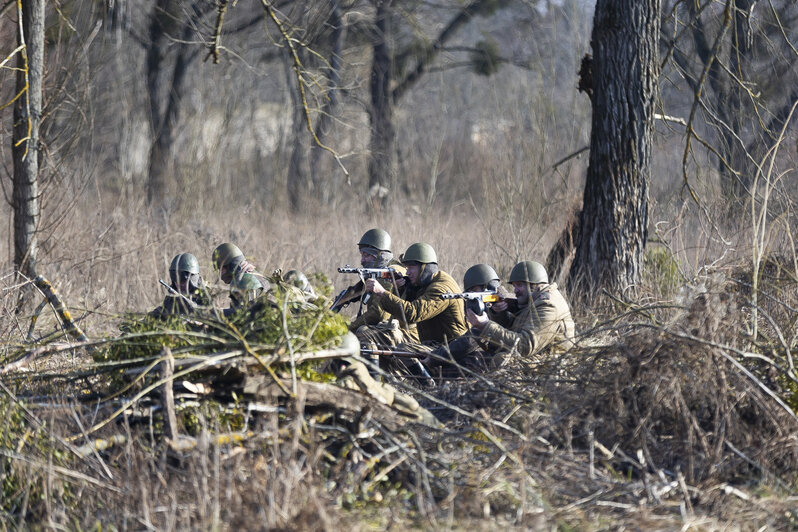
(356, 292)
(540, 321)
(377, 263)
(437, 321)
(476, 301)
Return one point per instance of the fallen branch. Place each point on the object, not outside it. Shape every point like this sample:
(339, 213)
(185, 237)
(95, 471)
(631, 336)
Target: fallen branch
(60, 309)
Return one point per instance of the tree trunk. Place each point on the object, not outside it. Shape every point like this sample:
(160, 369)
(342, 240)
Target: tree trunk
(732, 113)
(26, 152)
(381, 111)
(164, 25)
(327, 184)
(614, 219)
(298, 181)
(738, 179)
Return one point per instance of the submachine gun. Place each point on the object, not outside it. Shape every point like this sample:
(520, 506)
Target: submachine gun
(411, 362)
(188, 301)
(355, 292)
(476, 301)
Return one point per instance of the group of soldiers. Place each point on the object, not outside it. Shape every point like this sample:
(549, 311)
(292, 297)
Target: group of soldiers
(187, 291)
(419, 312)
(412, 316)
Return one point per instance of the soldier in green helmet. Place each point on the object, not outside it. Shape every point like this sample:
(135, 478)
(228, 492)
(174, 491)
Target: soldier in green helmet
(541, 322)
(299, 280)
(186, 289)
(235, 270)
(483, 278)
(375, 252)
(437, 320)
(295, 287)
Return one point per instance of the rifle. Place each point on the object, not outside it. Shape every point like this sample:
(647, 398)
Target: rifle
(192, 305)
(412, 363)
(351, 294)
(390, 353)
(476, 301)
(346, 296)
(371, 273)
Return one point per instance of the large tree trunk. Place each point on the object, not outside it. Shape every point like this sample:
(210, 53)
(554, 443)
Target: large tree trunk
(614, 219)
(381, 165)
(164, 25)
(27, 119)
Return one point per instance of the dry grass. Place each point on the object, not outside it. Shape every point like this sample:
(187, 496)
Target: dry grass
(650, 423)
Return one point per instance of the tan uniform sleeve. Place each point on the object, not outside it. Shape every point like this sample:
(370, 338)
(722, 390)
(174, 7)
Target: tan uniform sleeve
(425, 307)
(372, 315)
(538, 327)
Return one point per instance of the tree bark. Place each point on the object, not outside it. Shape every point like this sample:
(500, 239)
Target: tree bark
(26, 150)
(164, 25)
(325, 185)
(739, 177)
(614, 218)
(383, 133)
(298, 179)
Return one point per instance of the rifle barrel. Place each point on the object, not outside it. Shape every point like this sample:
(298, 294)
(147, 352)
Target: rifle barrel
(389, 353)
(190, 302)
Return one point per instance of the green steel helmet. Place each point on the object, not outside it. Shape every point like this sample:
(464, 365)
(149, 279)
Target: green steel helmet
(183, 266)
(298, 279)
(185, 262)
(479, 274)
(376, 238)
(244, 282)
(530, 272)
(420, 252)
(224, 254)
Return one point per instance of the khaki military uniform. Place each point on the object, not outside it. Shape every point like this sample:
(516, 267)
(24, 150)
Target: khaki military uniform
(374, 313)
(437, 320)
(545, 322)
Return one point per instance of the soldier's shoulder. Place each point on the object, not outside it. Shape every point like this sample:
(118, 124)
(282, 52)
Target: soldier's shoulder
(545, 297)
(397, 265)
(557, 294)
(444, 277)
(443, 282)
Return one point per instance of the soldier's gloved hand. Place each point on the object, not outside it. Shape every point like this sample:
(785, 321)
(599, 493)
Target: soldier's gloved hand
(499, 306)
(477, 321)
(400, 282)
(373, 286)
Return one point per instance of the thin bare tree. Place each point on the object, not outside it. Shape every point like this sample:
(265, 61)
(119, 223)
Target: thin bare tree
(26, 143)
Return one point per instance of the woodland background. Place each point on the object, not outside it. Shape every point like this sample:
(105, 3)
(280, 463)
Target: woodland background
(173, 126)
